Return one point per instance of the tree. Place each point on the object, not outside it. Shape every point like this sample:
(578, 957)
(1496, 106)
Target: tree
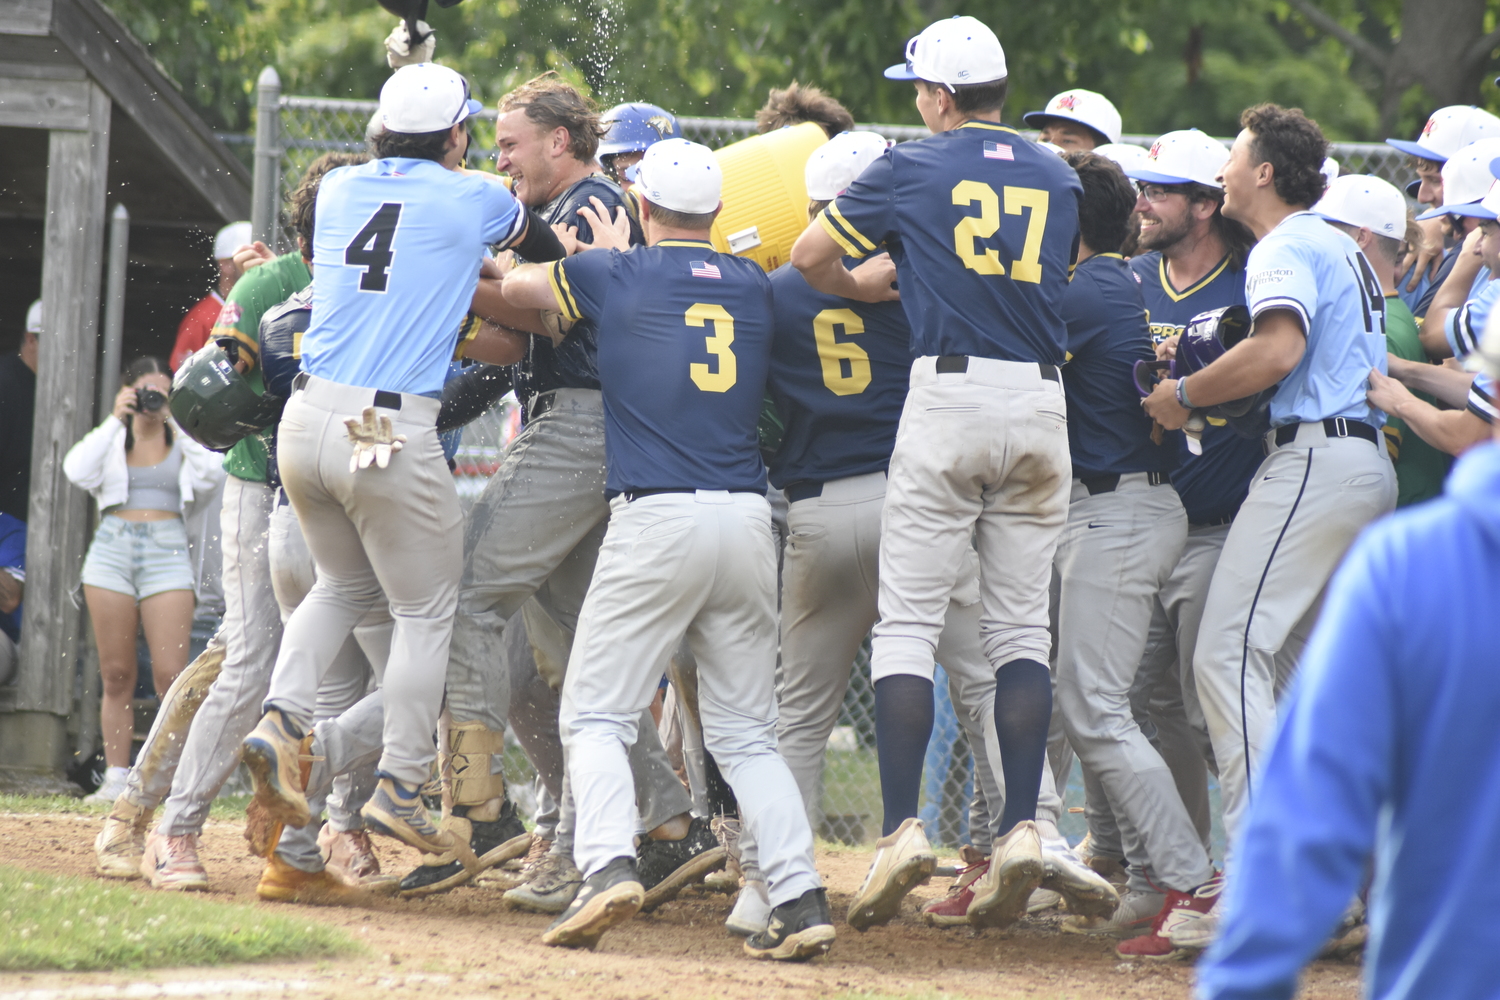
(1440, 45)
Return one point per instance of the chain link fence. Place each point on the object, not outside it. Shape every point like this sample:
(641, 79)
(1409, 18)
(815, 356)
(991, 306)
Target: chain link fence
(851, 808)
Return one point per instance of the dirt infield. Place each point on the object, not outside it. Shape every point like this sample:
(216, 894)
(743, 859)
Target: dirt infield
(466, 943)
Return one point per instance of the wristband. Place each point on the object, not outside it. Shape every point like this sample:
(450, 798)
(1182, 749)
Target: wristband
(1182, 396)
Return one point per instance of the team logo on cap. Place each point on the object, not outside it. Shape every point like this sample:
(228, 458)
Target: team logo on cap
(1431, 124)
(1155, 148)
(660, 124)
(1067, 102)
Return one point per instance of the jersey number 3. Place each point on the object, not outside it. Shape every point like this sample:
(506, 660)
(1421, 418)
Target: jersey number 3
(987, 223)
(371, 247)
(716, 316)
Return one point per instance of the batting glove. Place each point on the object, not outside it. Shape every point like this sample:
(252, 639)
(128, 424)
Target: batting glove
(373, 440)
(400, 52)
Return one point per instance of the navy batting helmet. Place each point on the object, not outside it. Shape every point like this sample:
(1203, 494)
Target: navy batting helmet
(1207, 337)
(214, 404)
(634, 127)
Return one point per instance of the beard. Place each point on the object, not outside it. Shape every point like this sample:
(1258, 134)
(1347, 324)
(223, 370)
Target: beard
(1164, 235)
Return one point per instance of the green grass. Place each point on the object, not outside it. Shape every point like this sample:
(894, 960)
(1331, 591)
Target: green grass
(229, 807)
(75, 924)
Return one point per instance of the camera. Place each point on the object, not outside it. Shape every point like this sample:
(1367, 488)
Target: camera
(148, 400)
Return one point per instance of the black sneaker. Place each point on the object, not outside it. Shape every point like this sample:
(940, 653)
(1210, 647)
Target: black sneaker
(610, 896)
(667, 866)
(797, 931)
(494, 842)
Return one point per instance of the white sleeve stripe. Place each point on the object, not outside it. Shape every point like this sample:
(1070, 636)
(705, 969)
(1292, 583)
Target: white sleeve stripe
(1482, 405)
(516, 226)
(1284, 302)
(1465, 337)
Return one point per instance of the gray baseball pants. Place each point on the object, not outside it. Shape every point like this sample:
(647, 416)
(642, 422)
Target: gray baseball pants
(376, 535)
(701, 564)
(1307, 502)
(1116, 552)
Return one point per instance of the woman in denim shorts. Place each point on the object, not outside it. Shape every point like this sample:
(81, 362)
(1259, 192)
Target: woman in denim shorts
(142, 471)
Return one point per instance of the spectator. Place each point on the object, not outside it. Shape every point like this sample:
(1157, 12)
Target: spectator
(142, 471)
(193, 331)
(12, 590)
(17, 399)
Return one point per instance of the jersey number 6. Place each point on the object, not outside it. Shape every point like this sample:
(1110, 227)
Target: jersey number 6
(987, 223)
(709, 314)
(371, 247)
(833, 353)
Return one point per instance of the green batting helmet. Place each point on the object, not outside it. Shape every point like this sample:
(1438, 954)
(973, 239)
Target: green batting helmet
(214, 404)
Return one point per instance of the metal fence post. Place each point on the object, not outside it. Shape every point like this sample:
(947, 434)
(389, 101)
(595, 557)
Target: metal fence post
(114, 308)
(267, 184)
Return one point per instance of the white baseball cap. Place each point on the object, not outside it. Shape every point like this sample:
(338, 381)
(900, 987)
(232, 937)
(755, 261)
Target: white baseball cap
(1125, 154)
(834, 165)
(1365, 201)
(1187, 156)
(231, 238)
(425, 97)
(1082, 106)
(1449, 130)
(681, 176)
(953, 52)
(1467, 178)
(34, 317)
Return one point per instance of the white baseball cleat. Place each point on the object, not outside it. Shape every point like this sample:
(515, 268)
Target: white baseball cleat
(903, 860)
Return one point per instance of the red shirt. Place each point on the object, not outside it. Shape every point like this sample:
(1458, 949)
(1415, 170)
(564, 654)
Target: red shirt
(193, 331)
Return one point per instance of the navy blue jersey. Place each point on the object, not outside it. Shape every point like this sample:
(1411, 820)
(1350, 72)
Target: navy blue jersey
(1108, 431)
(682, 361)
(983, 226)
(573, 364)
(1214, 484)
(839, 372)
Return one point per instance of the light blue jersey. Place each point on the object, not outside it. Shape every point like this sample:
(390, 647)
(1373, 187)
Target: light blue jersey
(1464, 326)
(1309, 267)
(397, 251)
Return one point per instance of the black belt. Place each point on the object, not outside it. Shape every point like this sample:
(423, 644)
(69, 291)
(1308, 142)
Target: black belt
(1334, 427)
(1212, 522)
(947, 364)
(384, 399)
(541, 403)
(1108, 484)
(632, 495)
(281, 498)
(804, 490)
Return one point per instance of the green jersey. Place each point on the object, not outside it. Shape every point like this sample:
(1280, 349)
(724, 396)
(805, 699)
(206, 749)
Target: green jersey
(261, 288)
(1420, 468)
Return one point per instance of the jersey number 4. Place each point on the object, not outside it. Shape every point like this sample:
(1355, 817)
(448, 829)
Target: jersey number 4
(984, 225)
(371, 247)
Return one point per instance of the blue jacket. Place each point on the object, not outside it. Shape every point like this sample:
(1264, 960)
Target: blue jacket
(1389, 746)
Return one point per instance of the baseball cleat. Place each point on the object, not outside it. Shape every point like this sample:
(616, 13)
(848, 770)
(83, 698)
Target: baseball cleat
(282, 883)
(666, 867)
(953, 909)
(172, 862)
(121, 842)
(752, 909)
(1182, 911)
(550, 886)
(493, 842)
(1135, 913)
(1016, 870)
(797, 930)
(1111, 869)
(726, 880)
(273, 752)
(396, 810)
(351, 857)
(111, 788)
(610, 896)
(903, 860)
(1086, 892)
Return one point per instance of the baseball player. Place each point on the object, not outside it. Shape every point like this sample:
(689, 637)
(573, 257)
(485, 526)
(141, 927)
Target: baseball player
(981, 448)
(795, 104)
(1462, 302)
(1319, 327)
(197, 326)
(188, 758)
(1076, 120)
(1399, 670)
(536, 529)
(630, 129)
(1373, 213)
(1192, 262)
(1126, 530)
(689, 544)
(398, 248)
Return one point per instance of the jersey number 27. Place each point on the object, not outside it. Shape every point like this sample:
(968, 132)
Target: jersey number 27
(984, 225)
(371, 247)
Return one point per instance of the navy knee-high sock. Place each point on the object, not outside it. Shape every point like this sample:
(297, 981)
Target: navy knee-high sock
(1023, 711)
(903, 725)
